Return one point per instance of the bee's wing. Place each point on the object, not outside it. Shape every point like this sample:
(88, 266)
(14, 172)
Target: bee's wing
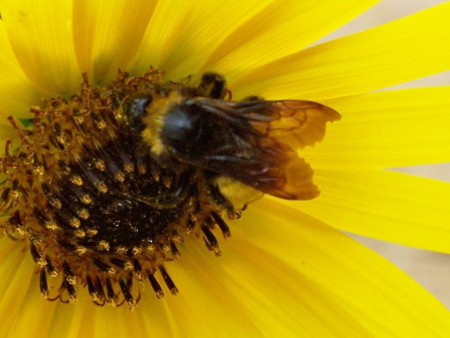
(266, 136)
(291, 179)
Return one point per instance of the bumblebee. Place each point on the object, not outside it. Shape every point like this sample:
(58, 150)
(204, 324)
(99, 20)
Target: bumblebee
(245, 148)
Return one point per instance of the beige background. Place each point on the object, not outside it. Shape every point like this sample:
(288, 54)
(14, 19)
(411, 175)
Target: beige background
(431, 270)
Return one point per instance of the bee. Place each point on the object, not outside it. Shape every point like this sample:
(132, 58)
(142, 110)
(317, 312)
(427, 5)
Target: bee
(248, 146)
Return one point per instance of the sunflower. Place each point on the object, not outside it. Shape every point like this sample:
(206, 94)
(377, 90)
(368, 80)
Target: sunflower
(287, 270)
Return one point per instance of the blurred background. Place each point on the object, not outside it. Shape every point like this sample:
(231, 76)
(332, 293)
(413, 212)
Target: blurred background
(431, 270)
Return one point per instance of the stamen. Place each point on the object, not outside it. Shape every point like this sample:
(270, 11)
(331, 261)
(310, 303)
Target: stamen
(210, 240)
(111, 297)
(125, 288)
(43, 285)
(222, 225)
(169, 282)
(155, 285)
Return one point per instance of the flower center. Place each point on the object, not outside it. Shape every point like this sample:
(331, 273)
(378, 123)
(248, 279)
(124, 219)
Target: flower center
(93, 204)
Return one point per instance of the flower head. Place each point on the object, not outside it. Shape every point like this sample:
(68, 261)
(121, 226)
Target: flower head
(287, 269)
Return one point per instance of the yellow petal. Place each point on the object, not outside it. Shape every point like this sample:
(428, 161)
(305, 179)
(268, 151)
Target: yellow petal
(220, 313)
(17, 94)
(40, 33)
(270, 296)
(384, 205)
(389, 129)
(20, 295)
(182, 35)
(108, 33)
(279, 29)
(84, 319)
(322, 267)
(397, 52)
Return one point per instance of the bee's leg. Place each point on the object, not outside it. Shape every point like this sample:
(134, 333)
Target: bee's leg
(184, 184)
(253, 98)
(172, 197)
(222, 202)
(212, 85)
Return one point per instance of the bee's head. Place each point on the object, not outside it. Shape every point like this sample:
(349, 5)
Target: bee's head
(168, 124)
(181, 130)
